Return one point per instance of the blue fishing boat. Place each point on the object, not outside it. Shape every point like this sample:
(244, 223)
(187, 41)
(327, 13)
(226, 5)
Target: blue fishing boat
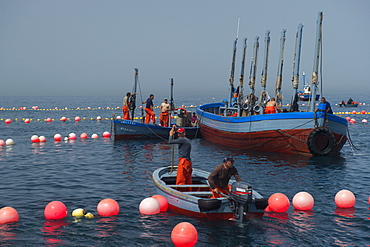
(243, 124)
(306, 94)
(122, 129)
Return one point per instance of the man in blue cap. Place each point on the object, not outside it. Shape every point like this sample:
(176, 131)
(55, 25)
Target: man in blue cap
(220, 177)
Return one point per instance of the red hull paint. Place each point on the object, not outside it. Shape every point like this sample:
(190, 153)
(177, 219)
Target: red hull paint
(212, 216)
(284, 141)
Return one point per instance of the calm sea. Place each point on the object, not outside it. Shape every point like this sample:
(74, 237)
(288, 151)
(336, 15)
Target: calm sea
(82, 173)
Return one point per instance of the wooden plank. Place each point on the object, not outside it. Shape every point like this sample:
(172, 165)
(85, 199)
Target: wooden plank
(189, 186)
(197, 193)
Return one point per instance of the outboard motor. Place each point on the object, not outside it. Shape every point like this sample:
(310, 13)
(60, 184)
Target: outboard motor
(240, 196)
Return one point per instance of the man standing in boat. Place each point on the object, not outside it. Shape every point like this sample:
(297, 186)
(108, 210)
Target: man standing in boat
(165, 116)
(272, 107)
(126, 106)
(323, 108)
(149, 109)
(184, 167)
(220, 177)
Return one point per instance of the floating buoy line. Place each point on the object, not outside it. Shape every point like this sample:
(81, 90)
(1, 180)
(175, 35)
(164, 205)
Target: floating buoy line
(36, 108)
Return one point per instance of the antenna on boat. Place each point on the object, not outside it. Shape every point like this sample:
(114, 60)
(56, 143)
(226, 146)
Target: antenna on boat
(297, 59)
(241, 79)
(252, 73)
(133, 95)
(316, 62)
(264, 94)
(232, 72)
(278, 95)
(237, 29)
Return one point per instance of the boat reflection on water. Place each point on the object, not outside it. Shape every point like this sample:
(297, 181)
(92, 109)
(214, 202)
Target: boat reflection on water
(324, 162)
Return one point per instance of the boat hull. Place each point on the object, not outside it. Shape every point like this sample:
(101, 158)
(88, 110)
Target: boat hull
(280, 132)
(348, 105)
(128, 129)
(187, 203)
(307, 97)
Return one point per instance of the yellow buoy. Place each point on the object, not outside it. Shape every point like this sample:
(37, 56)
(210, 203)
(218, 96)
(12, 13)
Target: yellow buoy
(79, 212)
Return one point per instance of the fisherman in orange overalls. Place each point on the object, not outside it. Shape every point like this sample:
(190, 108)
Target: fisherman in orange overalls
(185, 168)
(126, 106)
(272, 106)
(165, 116)
(149, 109)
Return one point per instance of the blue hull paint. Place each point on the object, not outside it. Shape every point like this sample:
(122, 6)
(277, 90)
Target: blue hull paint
(128, 129)
(280, 132)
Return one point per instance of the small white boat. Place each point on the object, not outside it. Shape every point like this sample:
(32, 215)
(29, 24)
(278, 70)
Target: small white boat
(195, 199)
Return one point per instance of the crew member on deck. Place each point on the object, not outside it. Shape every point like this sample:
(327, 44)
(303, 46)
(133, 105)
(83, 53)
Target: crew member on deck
(323, 108)
(165, 116)
(149, 109)
(126, 106)
(220, 177)
(184, 169)
(272, 107)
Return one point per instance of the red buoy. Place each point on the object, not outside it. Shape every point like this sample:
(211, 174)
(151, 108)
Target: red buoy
(72, 136)
(108, 207)
(106, 134)
(57, 137)
(184, 234)
(162, 202)
(83, 136)
(278, 202)
(35, 138)
(8, 214)
(8, 121)
(55, 210)
(345, 199)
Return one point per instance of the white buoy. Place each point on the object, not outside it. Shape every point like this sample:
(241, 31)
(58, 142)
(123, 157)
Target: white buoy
(94, 136)
(72, 136)
(35, 138)
(9, 142)
(57, 137)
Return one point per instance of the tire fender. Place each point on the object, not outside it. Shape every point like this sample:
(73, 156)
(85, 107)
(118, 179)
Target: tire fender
(321, 141)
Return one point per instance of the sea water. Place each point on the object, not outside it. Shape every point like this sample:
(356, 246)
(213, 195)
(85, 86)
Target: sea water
(81, 173)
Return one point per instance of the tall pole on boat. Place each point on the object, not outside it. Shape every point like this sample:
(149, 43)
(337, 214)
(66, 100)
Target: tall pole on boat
(263, 96)
(316, 61)
(252, 73)
(172, 103)
(241, 80)
(278, 95)
(133, 95)
(297, 58)
(232, 72)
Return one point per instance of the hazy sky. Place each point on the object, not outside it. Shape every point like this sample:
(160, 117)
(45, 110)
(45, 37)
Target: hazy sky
(91, 47)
